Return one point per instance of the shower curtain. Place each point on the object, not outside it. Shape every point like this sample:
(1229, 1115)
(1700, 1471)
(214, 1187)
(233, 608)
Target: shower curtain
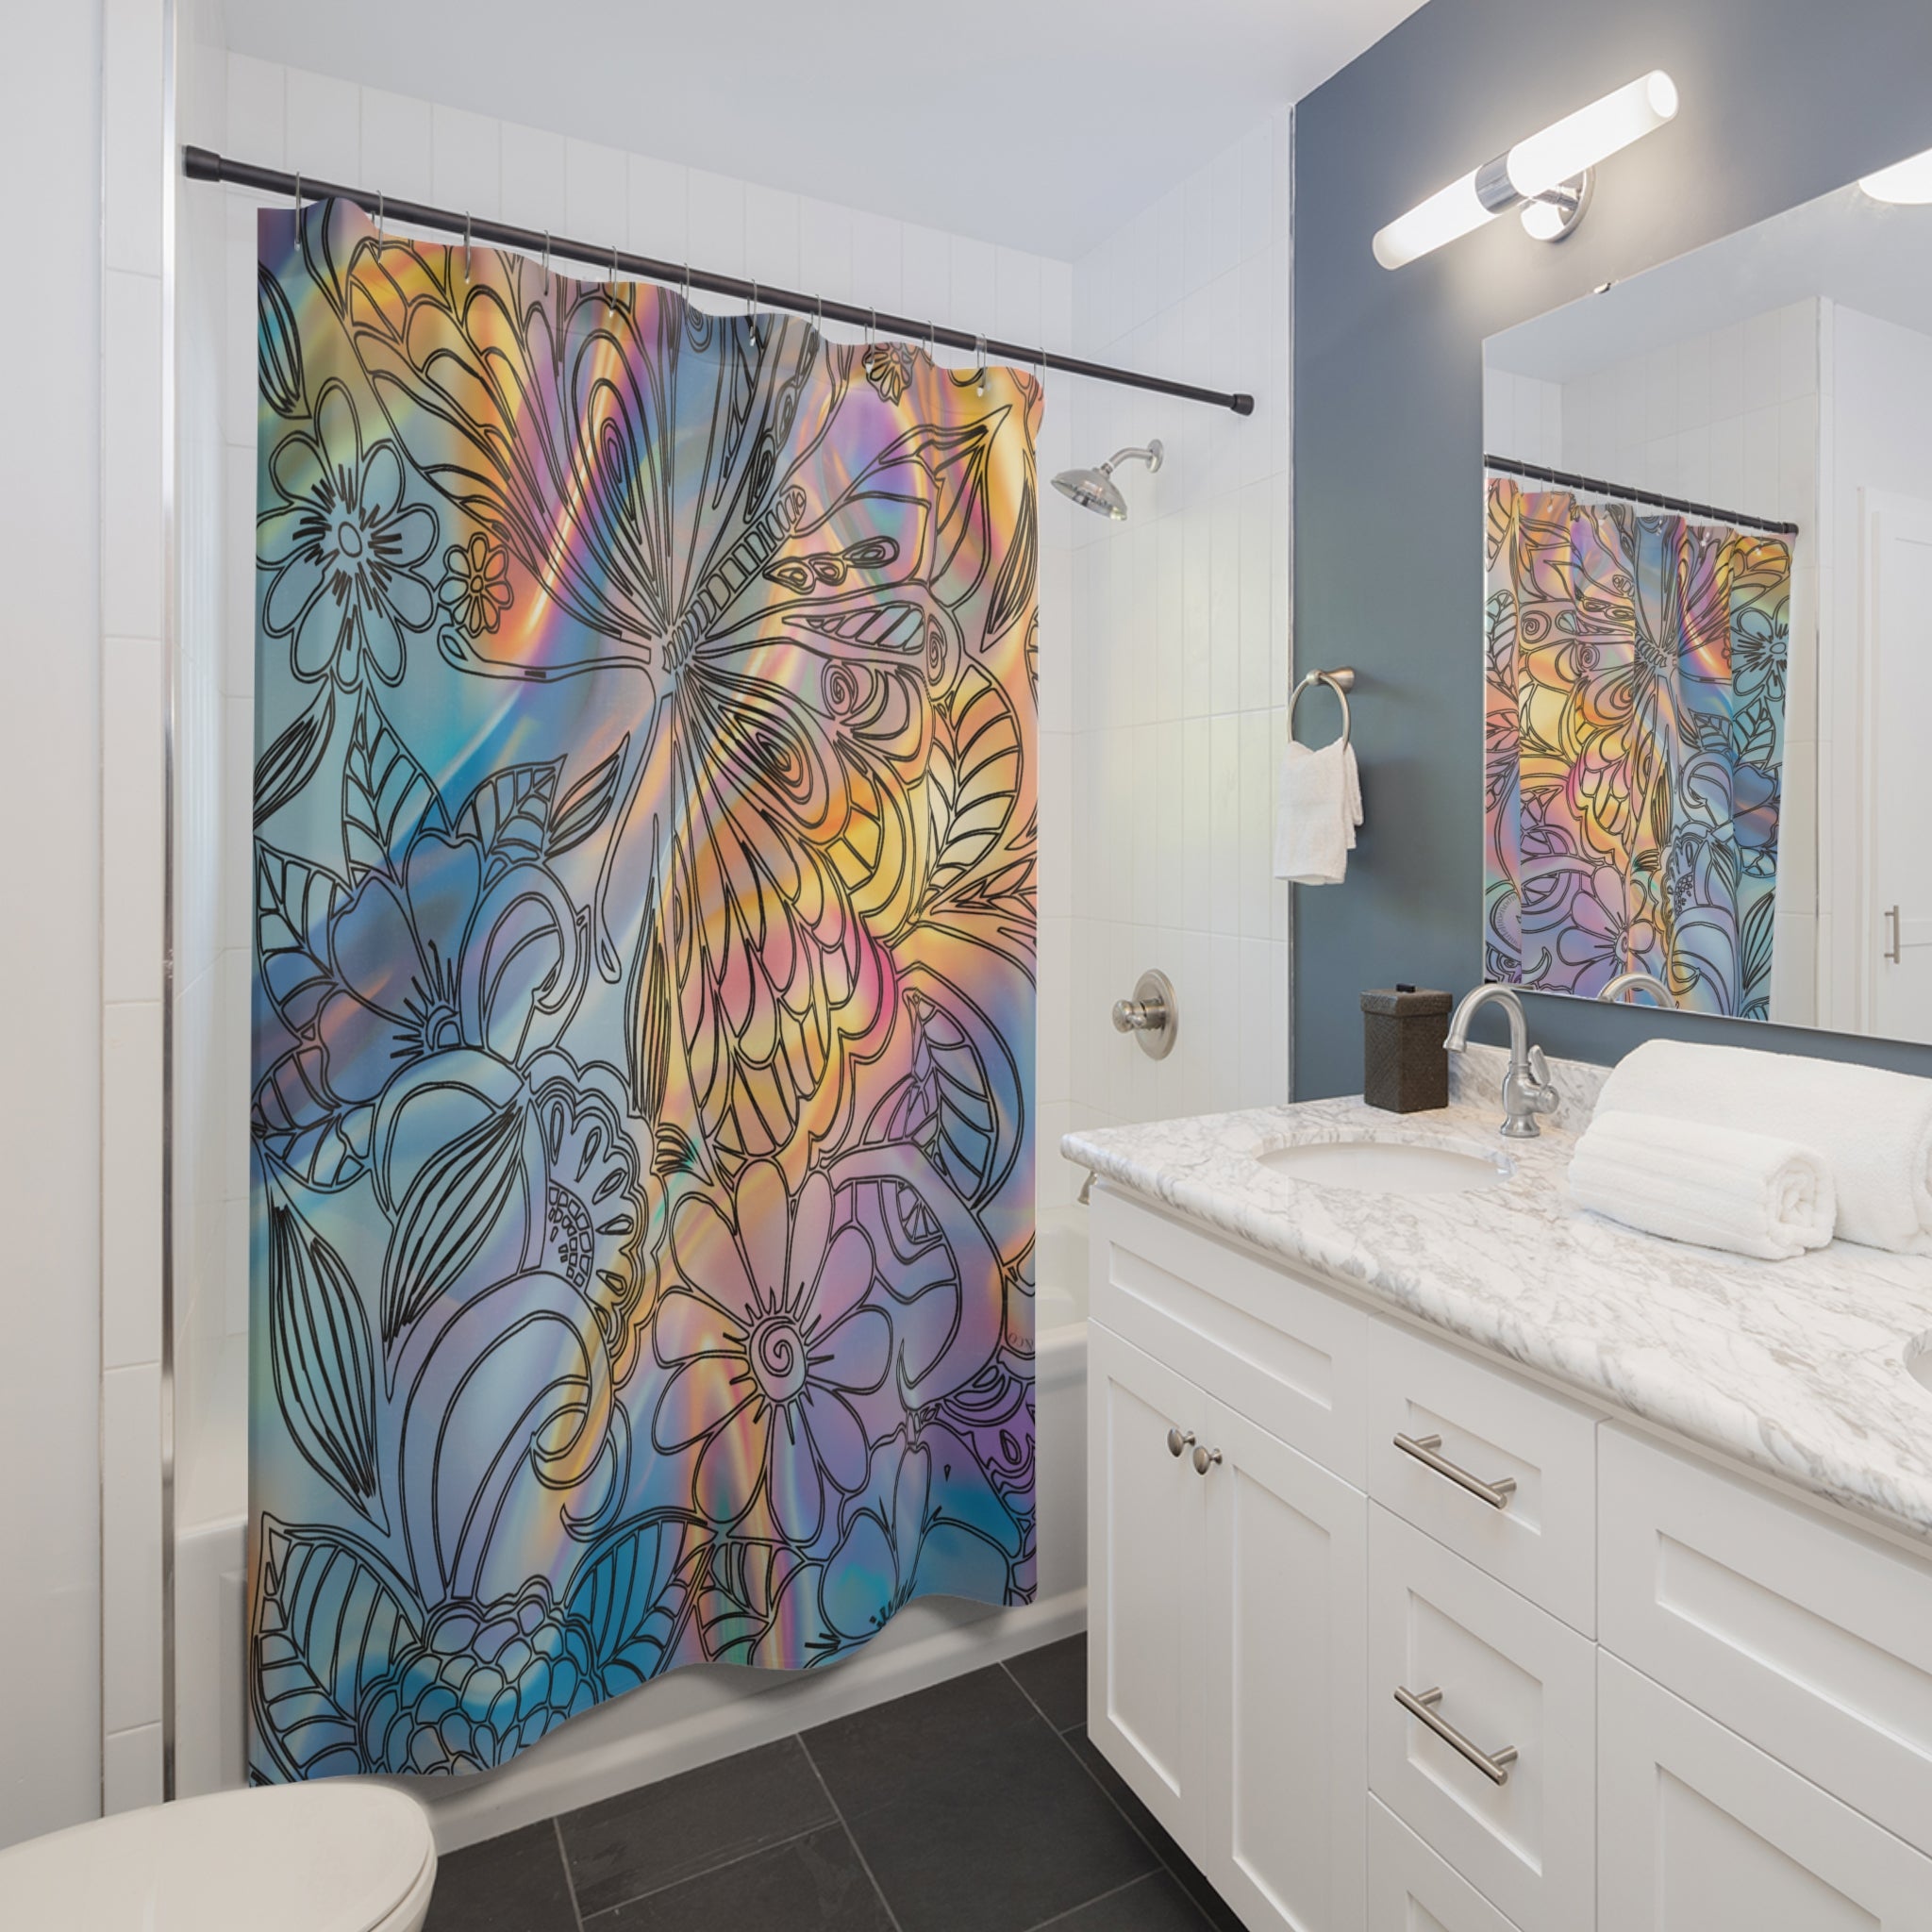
(644, 896)
(1634, 727)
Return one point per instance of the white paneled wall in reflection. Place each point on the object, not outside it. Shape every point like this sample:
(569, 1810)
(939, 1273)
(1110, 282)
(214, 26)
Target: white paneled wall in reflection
(1181, 652)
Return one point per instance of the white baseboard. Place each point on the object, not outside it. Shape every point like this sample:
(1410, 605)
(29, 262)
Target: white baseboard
(699, 1715)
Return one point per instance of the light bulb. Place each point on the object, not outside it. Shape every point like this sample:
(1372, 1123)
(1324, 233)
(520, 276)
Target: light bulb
(1906, 182)
(1447, 213)
(1533, 169)
(1592, 134)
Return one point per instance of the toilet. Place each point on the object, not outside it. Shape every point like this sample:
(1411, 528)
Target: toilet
(319, 1858)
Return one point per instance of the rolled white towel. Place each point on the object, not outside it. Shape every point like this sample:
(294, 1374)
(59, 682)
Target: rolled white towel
(1720, 1187)
(1873, 1128)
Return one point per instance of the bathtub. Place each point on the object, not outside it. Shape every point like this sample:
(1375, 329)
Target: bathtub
(690, 1717)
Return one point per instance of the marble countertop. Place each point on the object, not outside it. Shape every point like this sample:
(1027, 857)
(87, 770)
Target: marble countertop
(1795, 1367)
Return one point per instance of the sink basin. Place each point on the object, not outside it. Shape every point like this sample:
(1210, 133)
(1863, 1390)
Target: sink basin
(1387, 1167)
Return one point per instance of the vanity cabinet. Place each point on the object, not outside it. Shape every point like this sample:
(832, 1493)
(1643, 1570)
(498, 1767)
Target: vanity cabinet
(1227, 1613)
(1641, 1694)
(1696, 1828)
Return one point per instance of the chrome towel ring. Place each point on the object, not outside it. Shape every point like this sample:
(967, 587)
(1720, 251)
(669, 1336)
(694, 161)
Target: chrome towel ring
(1341, 681)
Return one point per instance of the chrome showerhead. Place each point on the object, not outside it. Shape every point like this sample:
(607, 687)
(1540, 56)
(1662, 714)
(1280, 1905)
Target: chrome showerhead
(1096, 490)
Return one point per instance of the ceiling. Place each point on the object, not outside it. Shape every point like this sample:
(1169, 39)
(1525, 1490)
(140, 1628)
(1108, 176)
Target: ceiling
(1864, 253)
(1040, 124)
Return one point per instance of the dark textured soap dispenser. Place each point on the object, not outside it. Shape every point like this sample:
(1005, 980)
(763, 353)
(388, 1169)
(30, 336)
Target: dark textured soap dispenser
(1405, 1062)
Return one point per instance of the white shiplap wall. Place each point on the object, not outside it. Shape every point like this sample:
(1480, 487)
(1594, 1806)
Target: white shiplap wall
(1181, 652)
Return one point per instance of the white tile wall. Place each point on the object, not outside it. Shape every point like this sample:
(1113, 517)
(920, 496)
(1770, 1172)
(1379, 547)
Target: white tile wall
(1181, 651)
(138, 188)
(1522, 418)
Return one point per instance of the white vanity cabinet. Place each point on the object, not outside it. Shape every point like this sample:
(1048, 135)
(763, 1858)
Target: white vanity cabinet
(1643, 1693)
(1227, 1580)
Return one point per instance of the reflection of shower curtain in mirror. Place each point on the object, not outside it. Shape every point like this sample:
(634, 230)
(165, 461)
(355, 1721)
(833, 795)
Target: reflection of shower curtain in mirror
(1634, 723)
(642, 1206)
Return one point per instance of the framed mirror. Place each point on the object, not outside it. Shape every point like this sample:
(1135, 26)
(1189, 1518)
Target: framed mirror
(1707, 627)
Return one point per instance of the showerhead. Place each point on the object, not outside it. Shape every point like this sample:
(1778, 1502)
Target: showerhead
(1096, 490)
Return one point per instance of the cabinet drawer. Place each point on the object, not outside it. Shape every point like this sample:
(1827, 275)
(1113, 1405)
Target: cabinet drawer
(1411, 1890)
(1700, 1829)
(1813, 1642)
(1285, 1353)
(1535, 1452)
(1510, 1676)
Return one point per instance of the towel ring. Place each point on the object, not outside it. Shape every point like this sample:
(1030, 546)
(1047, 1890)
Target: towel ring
(1341, 681)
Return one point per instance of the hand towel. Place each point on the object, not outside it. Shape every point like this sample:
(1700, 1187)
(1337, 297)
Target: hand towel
(1720, 1187)
(1316, 814)
(1873, 1127)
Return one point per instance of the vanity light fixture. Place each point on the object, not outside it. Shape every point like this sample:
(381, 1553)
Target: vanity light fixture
(1906, 183)
(1548, 177)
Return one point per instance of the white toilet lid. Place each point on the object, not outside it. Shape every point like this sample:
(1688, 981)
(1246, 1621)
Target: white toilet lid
(320, 1858)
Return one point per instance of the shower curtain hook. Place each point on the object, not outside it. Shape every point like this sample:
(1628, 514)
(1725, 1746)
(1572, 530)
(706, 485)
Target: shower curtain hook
(871, 329)
(613, 262)
(980, 343)
(820, 325)
(687, 285)
(466, 244)
(381, 212)
(751, 315)
(932, 341)
(547, 261)
(298, 194)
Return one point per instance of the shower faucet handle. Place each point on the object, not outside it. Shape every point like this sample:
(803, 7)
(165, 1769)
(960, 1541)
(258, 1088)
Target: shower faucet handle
(1151, 1016)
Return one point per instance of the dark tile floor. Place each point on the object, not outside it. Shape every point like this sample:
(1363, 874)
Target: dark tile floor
(978, 1806)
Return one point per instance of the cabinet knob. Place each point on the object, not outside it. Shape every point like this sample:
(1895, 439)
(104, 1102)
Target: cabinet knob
(1178, 1443)
(1204, 1459)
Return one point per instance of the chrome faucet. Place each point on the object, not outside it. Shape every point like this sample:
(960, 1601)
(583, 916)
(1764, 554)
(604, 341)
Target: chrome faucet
(1527, 1088)
(1640, 982)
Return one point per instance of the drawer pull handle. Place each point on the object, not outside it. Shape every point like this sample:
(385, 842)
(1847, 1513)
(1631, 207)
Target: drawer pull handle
(1494, 1765)
(1178, 1444)
(1424, 1449)
(1204, 1459)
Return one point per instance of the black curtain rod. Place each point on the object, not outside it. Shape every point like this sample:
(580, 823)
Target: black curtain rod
(1597, 487)
(204, 164)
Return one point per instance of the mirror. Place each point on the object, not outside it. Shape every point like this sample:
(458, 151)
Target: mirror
(1707, 628)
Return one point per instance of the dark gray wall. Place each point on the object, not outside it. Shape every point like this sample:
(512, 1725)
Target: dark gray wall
(1781, 101)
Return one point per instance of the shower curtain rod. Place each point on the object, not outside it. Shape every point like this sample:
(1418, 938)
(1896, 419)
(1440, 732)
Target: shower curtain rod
(204, 164)
(1597, 487)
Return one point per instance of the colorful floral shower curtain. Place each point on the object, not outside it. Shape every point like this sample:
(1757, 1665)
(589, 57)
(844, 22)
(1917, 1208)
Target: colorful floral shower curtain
(1635, 726)
(644, 852)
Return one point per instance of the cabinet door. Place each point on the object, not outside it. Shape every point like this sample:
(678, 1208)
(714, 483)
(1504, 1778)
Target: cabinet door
(1698, 1830)
(1146, 1593)
(1411, 1890)
(1285, 1592)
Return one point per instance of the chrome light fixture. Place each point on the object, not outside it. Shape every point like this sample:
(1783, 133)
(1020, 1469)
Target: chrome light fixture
(1907, 184)
(1549, 175)
(1096, 490)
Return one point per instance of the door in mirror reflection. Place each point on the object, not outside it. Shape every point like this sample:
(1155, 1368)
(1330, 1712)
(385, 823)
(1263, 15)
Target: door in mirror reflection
(1898, 918)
